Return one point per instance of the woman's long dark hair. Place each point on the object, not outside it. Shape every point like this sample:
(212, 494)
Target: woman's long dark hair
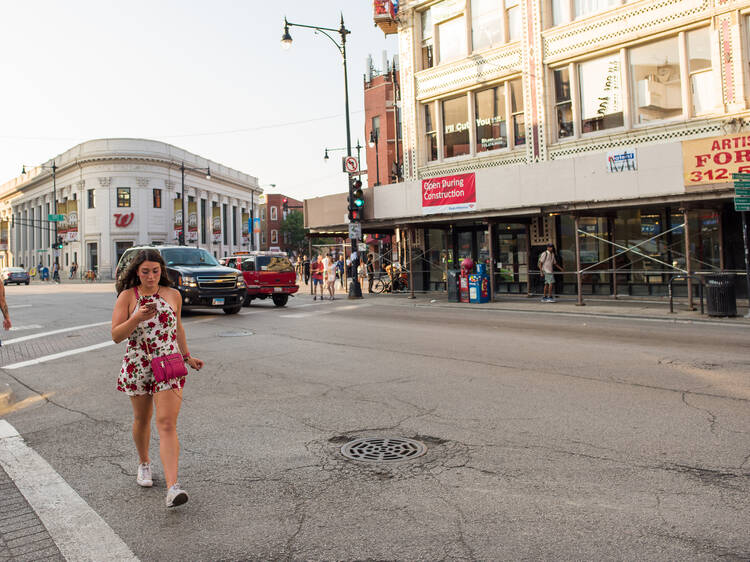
(129, 277)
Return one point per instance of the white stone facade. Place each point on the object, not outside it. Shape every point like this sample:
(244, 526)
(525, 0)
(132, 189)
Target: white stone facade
(148, 175)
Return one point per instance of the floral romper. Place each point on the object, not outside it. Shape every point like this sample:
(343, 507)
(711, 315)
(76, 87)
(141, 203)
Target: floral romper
(136, 376)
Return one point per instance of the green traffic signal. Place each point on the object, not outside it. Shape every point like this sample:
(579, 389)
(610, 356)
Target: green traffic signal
(359, 197)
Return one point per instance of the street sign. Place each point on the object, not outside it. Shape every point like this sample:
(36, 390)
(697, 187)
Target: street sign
(742, 204)
(745, 177)
(742, 191)
(355, 230)
(55, 218)
(350, 164)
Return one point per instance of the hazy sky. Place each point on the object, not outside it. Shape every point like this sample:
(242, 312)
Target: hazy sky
(206, 76)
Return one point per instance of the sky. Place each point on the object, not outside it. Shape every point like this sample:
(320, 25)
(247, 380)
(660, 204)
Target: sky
(207, 76)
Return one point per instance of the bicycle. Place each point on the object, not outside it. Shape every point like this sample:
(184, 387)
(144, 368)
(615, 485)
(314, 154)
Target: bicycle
(385, 284)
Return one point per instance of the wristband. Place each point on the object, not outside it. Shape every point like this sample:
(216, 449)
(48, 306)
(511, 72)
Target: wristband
(186, 356)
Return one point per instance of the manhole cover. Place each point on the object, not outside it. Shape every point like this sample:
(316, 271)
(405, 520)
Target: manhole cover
(383, 449)
(235, 334)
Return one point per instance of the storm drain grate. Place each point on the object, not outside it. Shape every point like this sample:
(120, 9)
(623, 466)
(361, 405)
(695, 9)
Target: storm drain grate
(383, 449)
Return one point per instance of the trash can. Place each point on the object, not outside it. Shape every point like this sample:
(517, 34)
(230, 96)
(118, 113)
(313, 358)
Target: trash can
(452, 285)
(721, 299)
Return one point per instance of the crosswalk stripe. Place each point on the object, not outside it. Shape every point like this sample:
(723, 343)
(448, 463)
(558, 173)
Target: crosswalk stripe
(54, 356)
(78, 531)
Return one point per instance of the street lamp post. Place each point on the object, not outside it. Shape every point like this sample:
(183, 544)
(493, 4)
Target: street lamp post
(207, 170)
(355, 290)
(374, 135)
(53, 167)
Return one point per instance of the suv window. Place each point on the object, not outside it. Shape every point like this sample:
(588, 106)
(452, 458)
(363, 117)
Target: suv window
(248, 265)
(274, 263)
(126, 258)
(188, 256)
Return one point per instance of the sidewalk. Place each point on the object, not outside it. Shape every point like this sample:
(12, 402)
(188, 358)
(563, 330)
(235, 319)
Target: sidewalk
(622, 307)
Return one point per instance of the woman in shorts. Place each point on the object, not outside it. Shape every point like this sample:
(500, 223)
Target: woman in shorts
(147, 314)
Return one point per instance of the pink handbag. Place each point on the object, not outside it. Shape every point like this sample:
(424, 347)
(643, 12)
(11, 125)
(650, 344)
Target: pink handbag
(168, 367)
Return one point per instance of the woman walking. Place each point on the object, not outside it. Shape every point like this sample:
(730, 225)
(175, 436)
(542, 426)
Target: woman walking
(147, 314)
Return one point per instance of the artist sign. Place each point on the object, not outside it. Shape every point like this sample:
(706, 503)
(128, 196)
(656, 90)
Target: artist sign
(715, 159)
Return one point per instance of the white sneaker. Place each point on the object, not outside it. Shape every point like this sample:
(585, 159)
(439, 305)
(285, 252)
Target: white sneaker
(176, 496)
(144, 475)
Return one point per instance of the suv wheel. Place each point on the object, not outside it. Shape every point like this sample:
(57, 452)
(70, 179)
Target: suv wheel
(280, 300)
(232, 309)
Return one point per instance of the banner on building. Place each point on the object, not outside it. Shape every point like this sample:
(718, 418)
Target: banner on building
(449, 194)
(245, 228)
(192, 232)
(256, 225)
(216, 224)
(4, 235)
(715, 159)
(71, 235)
(177, 218)
(62, 226)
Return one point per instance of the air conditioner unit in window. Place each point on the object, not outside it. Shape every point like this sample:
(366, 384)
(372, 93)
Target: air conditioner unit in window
(658, 96)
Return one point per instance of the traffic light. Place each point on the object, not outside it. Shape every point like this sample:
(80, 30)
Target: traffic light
(59, 244)
(358, 197)
(285, 204)
(181, 238)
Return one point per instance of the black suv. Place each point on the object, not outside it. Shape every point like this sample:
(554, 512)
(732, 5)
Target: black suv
(201, 280)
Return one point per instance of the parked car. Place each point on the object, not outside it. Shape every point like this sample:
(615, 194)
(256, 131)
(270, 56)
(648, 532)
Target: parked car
(202, 282)
(267, 274)
(15, 275)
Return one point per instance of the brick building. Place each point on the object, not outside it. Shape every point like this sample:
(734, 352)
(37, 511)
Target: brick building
(272, 214)
(382, 124)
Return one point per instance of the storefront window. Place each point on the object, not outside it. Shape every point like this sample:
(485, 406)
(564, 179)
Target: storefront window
(430, 133)
(455, 127)
(486, 24)
(452, 39)
(464, 245)
(513, 17)
(563, 103)
(491, 125)
(703, 89)
(656, 81)
(516, 108)
(601, 96)
(427, 41)
(436, 256)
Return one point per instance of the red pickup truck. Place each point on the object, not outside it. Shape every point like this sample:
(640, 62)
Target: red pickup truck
(266, 274)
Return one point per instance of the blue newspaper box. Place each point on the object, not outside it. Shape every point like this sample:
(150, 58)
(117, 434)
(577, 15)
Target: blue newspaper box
(479, 288)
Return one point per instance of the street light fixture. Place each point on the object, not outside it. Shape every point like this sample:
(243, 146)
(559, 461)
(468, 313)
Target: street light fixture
(355, 291)
(358, 147)
(52, 167)
(182, 239)
(374, 136)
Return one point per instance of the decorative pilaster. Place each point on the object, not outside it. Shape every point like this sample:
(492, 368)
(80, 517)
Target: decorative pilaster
(730, 56)
(533, 81)
(407, 63)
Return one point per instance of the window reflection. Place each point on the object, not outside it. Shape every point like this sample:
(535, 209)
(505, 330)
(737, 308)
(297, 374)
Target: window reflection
(491, 124)
(601, 95)
(455, 127)
(486, 24)
(656, 79)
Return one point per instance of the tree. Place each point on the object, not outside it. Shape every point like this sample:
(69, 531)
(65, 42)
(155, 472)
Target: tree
(294, 225)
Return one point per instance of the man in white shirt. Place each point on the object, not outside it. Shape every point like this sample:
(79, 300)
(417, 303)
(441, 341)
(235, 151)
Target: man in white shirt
(547, 265)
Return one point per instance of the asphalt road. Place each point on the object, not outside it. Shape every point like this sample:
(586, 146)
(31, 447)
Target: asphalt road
(547, 438)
